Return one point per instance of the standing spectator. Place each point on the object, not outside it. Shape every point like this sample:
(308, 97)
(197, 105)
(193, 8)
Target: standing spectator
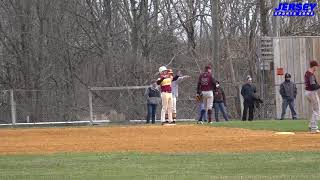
(175, 88)
(166, 95)
(219, 102)
(311, 87)
(248, 91)
(153, 98)
(288, 91)
(205, 88)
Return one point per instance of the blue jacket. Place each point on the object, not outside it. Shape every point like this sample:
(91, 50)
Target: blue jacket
(248, 92)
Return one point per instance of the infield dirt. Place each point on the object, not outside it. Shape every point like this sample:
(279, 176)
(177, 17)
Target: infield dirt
(179, 138)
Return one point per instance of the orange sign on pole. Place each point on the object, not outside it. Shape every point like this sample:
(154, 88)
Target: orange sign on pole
(280, 71)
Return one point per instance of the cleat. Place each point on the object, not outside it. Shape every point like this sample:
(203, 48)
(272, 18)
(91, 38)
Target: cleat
(199, 122)
(170, 124)
(165, 123)
(315, 131)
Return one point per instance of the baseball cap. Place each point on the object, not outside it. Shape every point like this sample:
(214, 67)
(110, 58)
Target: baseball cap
(313, 63)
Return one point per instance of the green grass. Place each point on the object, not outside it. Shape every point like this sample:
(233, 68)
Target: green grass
(274, 125)
(139, 166)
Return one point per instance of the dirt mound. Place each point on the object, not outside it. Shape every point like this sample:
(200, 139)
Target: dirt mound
(179, 138)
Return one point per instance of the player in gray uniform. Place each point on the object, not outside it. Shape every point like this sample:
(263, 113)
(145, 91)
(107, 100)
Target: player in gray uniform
(175, 92)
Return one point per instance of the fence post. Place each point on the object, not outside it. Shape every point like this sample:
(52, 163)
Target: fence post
(90, 105)
(13, 108)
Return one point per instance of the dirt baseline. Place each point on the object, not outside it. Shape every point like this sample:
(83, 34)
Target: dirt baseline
(179, 138)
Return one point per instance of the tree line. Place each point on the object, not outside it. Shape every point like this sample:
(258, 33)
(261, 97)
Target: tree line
(67, 45)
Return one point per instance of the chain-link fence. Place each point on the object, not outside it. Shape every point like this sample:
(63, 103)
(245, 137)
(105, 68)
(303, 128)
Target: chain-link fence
(117, 103)
(5, 107)
(39, 106)
(266, 110)
(112, 104)
(129, 103)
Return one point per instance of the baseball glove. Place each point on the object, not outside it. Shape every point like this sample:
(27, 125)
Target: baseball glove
(198, 98)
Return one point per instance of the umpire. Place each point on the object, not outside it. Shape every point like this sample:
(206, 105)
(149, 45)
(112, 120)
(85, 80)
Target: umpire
(288, 91)
(248, 91)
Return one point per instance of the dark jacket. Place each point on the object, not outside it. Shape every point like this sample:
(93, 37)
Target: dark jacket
(288, 90)
(219, 96)
(248, 92)
(153, 95)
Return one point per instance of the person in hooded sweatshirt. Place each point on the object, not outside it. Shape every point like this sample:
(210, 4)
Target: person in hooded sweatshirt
(153, 97)
(219, 102)
(288, 91)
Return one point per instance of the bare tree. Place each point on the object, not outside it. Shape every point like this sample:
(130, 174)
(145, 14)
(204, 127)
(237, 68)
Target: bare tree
(215, 35)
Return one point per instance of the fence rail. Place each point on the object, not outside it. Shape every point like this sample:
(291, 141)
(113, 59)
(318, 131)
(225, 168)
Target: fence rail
(21, 106)
(106, 104)
(129, 103)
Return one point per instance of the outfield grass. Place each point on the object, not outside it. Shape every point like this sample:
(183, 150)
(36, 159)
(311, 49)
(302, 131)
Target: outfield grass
(138, 166)
(274, 125)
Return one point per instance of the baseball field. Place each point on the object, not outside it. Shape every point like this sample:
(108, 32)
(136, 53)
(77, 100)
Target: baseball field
(226, 150)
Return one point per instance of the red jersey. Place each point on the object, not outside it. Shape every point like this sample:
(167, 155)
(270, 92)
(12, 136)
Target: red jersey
(310, 81)
(206, 82)
(165, 83)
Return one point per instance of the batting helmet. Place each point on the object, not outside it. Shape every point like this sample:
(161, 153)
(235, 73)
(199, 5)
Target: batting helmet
(162, 68)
